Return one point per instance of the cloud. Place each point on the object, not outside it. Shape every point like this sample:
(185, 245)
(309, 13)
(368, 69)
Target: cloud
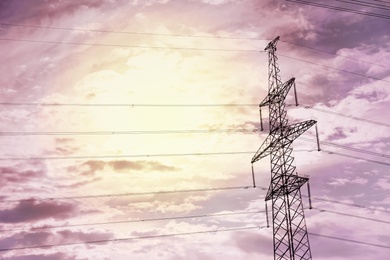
(21, 173)
(54, 256)
(12, 174)
(345, 181)
(26, 239)
(22, 11)
(334, 249)
(383, 183)
(217, 2)
(91, 167)
(26, 211)
(141, 165)
(94, 166)
(254, 243)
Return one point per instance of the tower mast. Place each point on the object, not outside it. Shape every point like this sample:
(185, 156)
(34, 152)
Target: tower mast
(290, 237)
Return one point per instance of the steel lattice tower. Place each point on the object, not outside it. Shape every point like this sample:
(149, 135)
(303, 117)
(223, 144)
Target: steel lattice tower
(290, 237)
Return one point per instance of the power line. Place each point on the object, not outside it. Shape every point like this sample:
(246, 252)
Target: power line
(167, 155)
(335, 54)
(126, 194)
(177, 234)
(179, 191)
(382, 1)
(128, 239)
(118, 156)
(351, 215)
(122, 104)
(347, 116)
(365, 4)
(126, 46)
(349, 204)
(346, 147)
(348, 10)
(177, 35)
(130, 105)
(128, 32)
(190, 131)
(176, 218)
(183, 48)
(349, 240)
(132, 132)
(356, 157)
(333, 68)
(130, 221)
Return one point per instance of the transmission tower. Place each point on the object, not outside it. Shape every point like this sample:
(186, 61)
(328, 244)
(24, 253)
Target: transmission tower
(290, 237)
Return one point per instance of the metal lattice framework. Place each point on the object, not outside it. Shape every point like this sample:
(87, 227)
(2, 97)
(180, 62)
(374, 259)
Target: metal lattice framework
(290, 237)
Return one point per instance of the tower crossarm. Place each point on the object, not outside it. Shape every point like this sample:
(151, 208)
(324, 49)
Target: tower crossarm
(272, 45)
(292, 183)
(295, 130)
(281, 138)
(278, 95)
(265, 149)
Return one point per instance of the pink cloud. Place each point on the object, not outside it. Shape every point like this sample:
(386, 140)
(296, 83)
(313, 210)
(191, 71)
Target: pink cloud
(254, 243)
(123, 165)
(30, 11)
(27, 239)
(26, 211)
(54, 256)
(21, 173)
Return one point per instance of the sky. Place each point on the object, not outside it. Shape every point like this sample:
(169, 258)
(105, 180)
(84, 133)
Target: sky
(108, 104)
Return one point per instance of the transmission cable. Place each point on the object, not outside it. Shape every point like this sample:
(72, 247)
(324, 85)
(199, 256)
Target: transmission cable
(169, 155)
(347, 116)
(335, 54)
(178, 191)
(356, 157)
(127, 239)
(120, 156)
(338, 69)
(178, 234)
(130, 105)
(128, 32)
(128, 46)
(349, 240)
(354, 205)
(345, 147)
(348, 10)
(192, 49)
(130, 221)
(189, 131)
(365, 4)
(176, 35)
(349, 215)
(131, 132)
(340, 202)
(126, 194)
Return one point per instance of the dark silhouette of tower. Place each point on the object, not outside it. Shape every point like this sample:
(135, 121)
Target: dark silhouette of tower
(290, 237)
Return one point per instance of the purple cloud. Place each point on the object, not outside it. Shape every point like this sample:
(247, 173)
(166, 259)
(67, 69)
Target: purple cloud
(22, 172)
(27, 11)
(26, 211)
(93, 166)
(36, 239)
(55, 256)
(253, 243)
